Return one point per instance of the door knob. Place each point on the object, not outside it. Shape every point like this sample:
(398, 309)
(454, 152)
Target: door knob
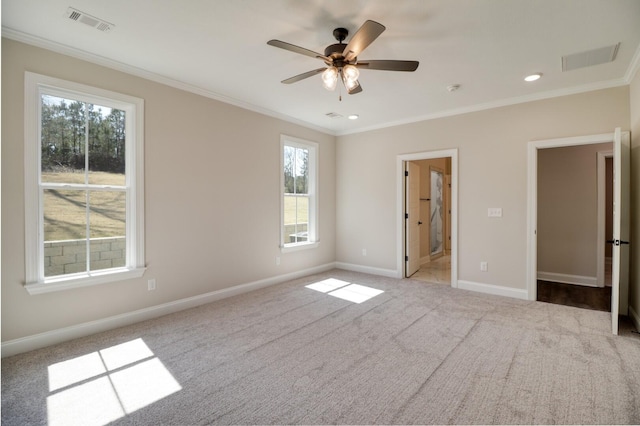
(617, 242)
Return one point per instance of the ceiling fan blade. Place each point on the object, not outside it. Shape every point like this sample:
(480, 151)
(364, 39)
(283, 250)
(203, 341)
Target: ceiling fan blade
(355, 90)
(391, 65)
(366, 34)
(297, 49)
(302, 76)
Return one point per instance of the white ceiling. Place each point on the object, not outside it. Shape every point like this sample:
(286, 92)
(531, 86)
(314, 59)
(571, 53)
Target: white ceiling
(218, 48)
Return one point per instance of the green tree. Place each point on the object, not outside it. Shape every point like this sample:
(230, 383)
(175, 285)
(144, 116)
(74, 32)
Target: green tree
(302, 175)
(66, 125)
(289, 169)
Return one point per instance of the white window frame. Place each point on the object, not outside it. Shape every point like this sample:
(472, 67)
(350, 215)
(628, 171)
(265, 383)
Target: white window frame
(312, 227)
(35, 86)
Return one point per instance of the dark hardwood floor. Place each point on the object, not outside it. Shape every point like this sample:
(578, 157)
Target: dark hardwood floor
(595, 298)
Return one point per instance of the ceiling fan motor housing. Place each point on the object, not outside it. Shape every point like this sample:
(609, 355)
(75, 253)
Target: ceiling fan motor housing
(335, 51)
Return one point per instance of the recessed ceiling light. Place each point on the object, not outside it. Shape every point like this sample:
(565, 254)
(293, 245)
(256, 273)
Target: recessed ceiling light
(353, 117)
(533, 77)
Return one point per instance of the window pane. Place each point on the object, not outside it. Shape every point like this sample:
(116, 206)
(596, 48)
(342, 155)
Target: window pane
(296, 218)
(289, 167)
(107, 218)
(302, 171)
(106, 145)
(62, 140)
(64, 214)
(302, 218)
(64, 232)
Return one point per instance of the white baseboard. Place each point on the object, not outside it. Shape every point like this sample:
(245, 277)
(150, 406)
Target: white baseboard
(635, 318)
(496, 290)
(568, 279)
(390, 273)
(41, 340)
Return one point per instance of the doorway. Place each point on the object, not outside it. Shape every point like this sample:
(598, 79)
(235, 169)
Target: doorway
(430, 214)
(436, 221)
(620, 237)
(570, 230)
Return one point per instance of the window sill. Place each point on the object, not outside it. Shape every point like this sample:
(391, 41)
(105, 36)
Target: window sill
(83, 280)
(297, 247)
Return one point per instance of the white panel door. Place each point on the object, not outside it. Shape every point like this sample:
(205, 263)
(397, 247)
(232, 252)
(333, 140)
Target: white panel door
(620, 255)
(412, 218)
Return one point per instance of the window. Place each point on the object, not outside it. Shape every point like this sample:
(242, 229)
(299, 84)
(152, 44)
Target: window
(84, 201)
(299, 228)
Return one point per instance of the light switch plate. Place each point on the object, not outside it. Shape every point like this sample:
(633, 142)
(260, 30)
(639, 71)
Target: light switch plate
(495, 212)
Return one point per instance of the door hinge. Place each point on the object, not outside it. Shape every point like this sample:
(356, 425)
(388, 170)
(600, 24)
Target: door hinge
(406, 258)
(406, 215)
(406, 172)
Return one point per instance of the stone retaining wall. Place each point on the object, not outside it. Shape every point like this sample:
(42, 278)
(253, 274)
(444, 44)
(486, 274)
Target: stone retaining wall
(70, 256)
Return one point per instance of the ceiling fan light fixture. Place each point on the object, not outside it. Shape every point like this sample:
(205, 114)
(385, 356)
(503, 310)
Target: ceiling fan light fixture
(350, 72)
(330, 78)
(341, 59)
(349, 84)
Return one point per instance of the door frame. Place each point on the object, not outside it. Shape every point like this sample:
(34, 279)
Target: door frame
(412, 224)
(400, 207)
(532, 201)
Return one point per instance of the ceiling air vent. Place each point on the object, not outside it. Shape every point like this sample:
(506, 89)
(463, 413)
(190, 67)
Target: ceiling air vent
(333, 115)
(92, 21)
(590, 58)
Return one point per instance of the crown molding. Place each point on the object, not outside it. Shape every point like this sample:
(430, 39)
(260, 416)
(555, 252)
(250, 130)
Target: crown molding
(495, 104)
(139, 72)
(633, 66)
(148, 75)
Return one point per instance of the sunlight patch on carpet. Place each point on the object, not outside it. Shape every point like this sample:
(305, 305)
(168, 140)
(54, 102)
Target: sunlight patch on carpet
(355, 293)
(103, 386)
(325, 286)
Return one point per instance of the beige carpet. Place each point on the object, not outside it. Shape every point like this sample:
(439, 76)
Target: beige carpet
(417, 353)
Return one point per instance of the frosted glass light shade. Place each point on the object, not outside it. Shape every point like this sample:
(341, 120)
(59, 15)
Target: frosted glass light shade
(350, 72)
(330, 78)
(349, 84)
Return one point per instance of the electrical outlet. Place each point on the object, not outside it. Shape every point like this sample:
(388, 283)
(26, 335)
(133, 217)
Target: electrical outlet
(364, 252)
(484, 266)
(278, 260)
(151, 284)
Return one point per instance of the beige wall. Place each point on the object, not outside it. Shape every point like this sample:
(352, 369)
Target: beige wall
(202, 233)
(634, 278)
(492, 160)
(568, 210)
(211, 198)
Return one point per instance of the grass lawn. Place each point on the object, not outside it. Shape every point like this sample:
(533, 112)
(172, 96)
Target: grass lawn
(65, 216)
(290, 209)
(65, 210)
(295, 206)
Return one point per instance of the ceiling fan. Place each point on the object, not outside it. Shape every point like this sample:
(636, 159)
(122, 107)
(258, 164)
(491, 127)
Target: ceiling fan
(342, 60)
